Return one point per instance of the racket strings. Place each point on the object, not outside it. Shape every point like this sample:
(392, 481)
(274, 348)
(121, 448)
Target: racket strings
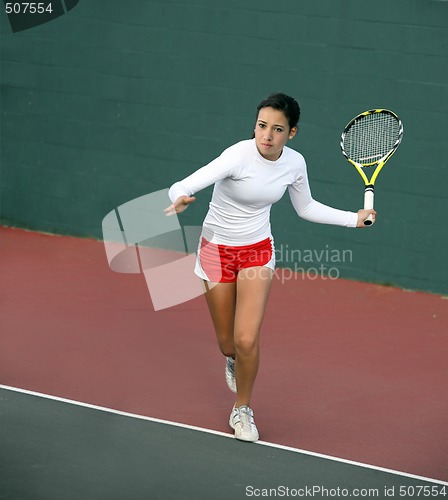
(371, 137)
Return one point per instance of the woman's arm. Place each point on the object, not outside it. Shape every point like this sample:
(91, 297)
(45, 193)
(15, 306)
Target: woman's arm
(181, 192)
(218, 169)
(310, 209)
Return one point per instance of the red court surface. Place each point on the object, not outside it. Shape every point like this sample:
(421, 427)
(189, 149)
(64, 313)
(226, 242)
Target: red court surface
(352, 370)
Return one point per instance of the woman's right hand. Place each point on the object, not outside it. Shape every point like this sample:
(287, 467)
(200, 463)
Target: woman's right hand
(179, 205)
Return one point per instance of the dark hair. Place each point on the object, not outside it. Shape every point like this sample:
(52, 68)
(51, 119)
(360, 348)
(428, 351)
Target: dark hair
(285, 103)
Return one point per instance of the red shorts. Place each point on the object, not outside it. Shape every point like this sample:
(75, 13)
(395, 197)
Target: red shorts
(222, 263)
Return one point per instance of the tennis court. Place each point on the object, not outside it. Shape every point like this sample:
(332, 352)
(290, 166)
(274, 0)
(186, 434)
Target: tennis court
(104, 398)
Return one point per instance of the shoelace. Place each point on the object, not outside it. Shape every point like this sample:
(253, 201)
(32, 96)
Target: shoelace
(246, 417)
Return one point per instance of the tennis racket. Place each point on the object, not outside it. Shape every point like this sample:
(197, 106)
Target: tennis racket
(369, 140)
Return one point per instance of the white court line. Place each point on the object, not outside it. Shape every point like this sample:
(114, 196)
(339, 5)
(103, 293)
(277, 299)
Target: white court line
(218, 433)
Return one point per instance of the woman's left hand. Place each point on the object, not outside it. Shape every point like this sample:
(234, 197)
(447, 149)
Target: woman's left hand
(179, 205)
(362, 216)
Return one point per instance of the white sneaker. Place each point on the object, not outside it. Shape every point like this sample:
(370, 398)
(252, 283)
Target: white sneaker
(242, 421)
(230, 374)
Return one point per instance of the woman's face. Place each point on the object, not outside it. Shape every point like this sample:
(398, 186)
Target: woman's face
(272, 132)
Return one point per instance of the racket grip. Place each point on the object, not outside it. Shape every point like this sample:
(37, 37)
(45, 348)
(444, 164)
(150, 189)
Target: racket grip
(368, 203)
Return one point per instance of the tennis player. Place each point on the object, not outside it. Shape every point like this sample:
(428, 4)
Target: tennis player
(236, 257)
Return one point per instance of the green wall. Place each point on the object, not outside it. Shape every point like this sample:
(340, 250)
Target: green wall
(117, 99)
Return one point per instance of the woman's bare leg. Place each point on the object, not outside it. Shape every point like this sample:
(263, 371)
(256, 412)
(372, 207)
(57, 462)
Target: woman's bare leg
(237, 311)
(253, 287)
(221, 301)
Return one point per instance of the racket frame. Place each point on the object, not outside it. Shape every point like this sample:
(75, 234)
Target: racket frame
(369, 191)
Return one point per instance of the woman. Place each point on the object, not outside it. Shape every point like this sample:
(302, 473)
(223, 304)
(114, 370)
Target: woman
(236, 257)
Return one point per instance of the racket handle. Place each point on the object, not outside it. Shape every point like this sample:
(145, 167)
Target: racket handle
(368, 204)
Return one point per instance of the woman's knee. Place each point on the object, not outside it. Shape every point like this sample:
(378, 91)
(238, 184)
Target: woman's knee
(246, 345)
(228, 351)
(226, 345)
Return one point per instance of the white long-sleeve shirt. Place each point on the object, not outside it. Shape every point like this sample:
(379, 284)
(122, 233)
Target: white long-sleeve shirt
(246, 186)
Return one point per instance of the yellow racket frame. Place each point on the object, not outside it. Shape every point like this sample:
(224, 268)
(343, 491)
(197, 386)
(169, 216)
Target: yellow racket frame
(369, 183)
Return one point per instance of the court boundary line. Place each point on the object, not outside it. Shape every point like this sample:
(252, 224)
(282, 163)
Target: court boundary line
(218, 433)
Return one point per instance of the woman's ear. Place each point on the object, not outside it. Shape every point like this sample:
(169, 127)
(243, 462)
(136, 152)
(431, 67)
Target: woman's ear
(293, 132)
